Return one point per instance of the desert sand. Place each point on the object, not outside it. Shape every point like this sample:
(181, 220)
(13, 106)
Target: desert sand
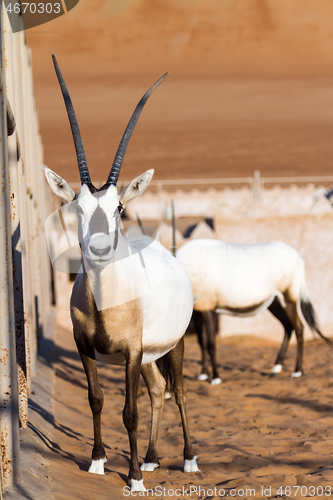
(250, 87)
(251, 433)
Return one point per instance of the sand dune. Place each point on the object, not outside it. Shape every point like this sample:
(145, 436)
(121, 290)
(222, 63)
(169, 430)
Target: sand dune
(249, 86)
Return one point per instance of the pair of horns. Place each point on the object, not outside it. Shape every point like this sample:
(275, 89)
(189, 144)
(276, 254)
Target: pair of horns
(80, 154)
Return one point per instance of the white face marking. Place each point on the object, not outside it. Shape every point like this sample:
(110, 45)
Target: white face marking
(108, 202)
(88, 203)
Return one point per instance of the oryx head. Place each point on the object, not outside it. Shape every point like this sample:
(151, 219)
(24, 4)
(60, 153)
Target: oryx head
(98, 210)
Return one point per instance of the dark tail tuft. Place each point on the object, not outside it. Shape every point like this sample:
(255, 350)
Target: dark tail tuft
(310, 317)
(164, 366)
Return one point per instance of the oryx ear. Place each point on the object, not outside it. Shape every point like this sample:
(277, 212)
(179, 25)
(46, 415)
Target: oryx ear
(58, 185)
(136, 187)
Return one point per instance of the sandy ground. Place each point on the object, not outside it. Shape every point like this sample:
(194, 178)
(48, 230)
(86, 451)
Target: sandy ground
(251, 432)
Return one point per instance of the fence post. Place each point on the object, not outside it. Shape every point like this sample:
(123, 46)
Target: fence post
(29, 191)
(43, 292)
(16, 223)
(160, 198)
(27, 269)
(9, 421)
(173, 217)
(256, 186)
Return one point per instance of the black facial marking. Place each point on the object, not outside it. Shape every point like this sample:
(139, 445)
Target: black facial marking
(99, 222)
(80, 236)
(115, 243)
(91, 187)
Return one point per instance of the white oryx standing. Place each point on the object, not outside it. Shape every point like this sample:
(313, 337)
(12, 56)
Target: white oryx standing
(242, 280)
(112, 312)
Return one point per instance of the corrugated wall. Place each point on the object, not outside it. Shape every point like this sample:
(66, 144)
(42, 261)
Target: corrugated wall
(25, 292)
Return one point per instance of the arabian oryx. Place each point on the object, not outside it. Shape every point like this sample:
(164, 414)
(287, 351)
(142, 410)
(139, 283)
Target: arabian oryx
(242, 280)
(114, 316)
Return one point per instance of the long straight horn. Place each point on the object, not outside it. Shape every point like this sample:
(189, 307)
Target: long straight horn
(118, 160)
(80, 154)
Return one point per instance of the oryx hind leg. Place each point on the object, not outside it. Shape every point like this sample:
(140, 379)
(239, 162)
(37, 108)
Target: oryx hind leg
(291, 308)
(210, 320)
(198, 320)
(156, 386)
(176, 356)
(280, 313)
(96, 400)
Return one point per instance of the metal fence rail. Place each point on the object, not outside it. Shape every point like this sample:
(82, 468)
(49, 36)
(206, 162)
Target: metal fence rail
(25, 291)
(229, 181)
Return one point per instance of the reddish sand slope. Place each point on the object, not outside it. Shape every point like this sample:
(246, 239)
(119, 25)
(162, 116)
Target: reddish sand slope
(250, 86)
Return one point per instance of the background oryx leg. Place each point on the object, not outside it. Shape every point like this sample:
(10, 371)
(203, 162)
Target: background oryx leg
(96, 400)
(291, 308)
(202, 339)
(176, 356)
(130, 417)
(210, 327)
(156, 386)
(280, 313)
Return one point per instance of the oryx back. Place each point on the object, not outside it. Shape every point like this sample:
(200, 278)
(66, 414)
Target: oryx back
(241, 278)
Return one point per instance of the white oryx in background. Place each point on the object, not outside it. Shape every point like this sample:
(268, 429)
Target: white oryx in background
(242, 280)
(116, 312)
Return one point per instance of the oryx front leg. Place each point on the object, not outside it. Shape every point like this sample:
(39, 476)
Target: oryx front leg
(176, 356)
(130, 417)
(156, 386)
(96, 400)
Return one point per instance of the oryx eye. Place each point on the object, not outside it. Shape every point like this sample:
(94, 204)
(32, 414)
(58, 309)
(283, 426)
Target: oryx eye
(120, 209)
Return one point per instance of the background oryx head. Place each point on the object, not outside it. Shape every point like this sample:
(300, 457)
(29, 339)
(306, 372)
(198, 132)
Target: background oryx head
(98, 210)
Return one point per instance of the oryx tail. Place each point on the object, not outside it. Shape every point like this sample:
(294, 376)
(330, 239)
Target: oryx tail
(165, 368)
(310, 314)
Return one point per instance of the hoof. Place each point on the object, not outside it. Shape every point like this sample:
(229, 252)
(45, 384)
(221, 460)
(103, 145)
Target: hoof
(137, 485)
(149, 467)
(167, 395)
(296, 375)
(202, 376)
(216, 381)
(97, 466)
(191, 465)
(276, 369)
